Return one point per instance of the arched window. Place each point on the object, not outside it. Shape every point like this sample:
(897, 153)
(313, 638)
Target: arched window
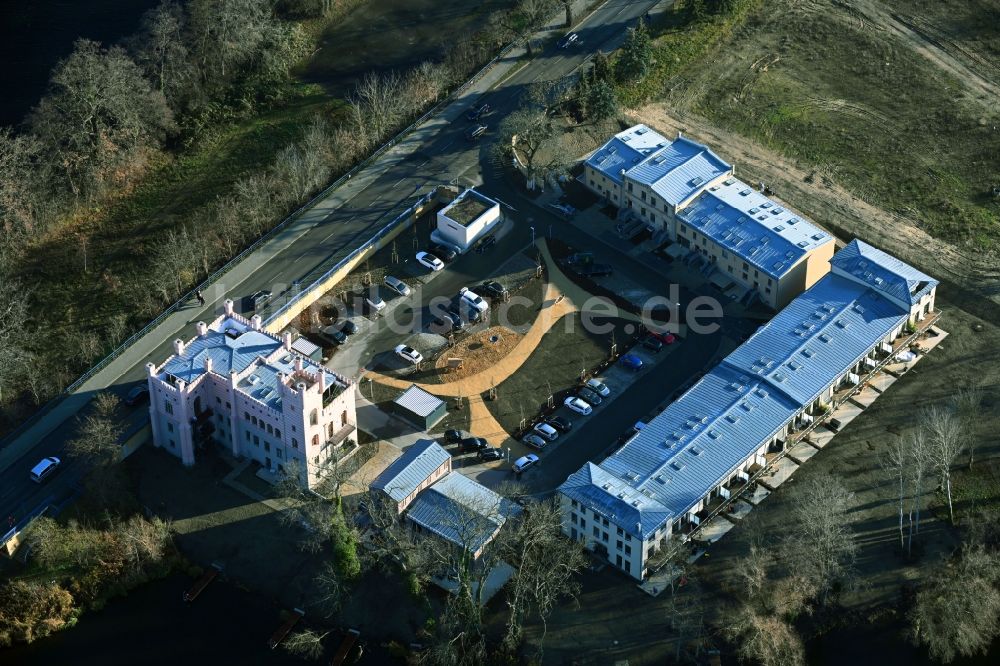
(313, 418)
(315, 440)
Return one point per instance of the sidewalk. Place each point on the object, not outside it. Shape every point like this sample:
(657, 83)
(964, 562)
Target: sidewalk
(180, 323)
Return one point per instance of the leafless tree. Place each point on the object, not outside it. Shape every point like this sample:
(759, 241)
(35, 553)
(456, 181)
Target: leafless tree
(307, 644)
(896, 461)
(968, 402)
(377, 105)
(14, 357)
(174, 265)
(226, 34)
(686, 613)
(820, 545)
(98, 433)
(546, 564)
(945, 443)
(958, 612)
(22, 184)
(764, 638)
(161, 49)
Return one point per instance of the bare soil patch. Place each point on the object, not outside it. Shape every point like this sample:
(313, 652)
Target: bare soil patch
(479, 352)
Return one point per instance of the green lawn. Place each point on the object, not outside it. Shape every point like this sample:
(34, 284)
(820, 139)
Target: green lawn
(554, 366)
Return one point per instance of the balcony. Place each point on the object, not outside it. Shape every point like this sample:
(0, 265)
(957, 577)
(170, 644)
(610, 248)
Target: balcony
(340, 437)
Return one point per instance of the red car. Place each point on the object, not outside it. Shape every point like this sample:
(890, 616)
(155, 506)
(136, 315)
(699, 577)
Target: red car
(666, 337)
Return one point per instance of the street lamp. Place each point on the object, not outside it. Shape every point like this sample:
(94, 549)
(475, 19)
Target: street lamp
(532, 235)
(508, 454)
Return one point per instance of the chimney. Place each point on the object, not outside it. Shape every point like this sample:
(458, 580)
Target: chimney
(202, 328)
(322, 381)
(298, 362)
(286, 340)
(179, 347)
(208, 364)
(150, 369)
(255, 322)
(229, 307)
(680, 134)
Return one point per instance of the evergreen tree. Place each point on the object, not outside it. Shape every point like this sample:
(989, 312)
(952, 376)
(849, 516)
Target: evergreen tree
(636, 55)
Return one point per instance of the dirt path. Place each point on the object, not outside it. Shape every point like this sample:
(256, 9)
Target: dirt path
(979, 75)
(830, 205)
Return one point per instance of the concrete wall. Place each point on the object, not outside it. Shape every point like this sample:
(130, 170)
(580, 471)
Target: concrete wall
(317, 290)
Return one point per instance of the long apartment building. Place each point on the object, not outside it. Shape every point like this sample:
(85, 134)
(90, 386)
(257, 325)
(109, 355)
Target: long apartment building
(249, 392)
(691, 197)
(716, 434)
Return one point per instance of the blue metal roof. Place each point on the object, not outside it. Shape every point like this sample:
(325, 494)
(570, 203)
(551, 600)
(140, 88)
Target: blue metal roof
(748, 224)
(883, 272)
(462, 511)
(817, 336)
(679, 170)
(625, 150)
(701, 438)
(410, 469)
(227, 353)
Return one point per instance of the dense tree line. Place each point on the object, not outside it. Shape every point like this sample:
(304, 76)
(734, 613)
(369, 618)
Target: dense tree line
(111, 113)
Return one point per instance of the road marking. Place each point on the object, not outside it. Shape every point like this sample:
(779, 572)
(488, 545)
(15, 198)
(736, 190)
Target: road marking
(447, 144)
(398, 182)
(422, 163)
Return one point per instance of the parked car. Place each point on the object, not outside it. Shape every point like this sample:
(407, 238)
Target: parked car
(593, 397)
(565, 210)
(569, 40)
(397, 285)
(409, 354)
(453, 436)
(652, 343)
(374, 301)
(470, 314)
(258, 299)
(473, 300)
(478, 111)
(534, 441)
(490, 453)
(546, 431)
(476, 131)
(596, 270)
(561, 423)
(524, 462)
(577, 259)
(578, 405)
(598, 387)
(332, 333)
(494, 289)
(632, 362)
(137, 395)
(430, 261)
(449, 320)
(448, 254)
(45, 468)
(486, 244)
(349, 327)
(474, 444)
(665, 337)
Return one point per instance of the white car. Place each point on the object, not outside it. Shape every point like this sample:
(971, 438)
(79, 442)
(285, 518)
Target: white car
(578, 405)
(546, 431)
(397, 285)
(375, 301)
(524, 462)
(430, 261)
(409, 354)
(598, 387)
(473, 300)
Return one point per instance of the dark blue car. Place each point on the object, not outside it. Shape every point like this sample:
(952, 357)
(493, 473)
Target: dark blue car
(632, 362)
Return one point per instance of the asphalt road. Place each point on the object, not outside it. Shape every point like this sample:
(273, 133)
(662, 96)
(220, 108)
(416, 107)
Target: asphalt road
(445, 156)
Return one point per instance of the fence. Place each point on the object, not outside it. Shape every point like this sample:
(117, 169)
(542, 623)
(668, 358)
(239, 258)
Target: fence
(803, 434)
(381, 150)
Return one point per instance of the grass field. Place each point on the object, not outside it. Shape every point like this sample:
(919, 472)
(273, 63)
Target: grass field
(553, 367)
(866, 100)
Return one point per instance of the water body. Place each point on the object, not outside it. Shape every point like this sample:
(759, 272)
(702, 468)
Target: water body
(36, 35)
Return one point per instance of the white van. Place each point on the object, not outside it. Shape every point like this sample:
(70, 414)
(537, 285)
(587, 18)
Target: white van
(44, 469)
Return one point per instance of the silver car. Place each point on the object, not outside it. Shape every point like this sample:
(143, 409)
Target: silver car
(397, 285)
